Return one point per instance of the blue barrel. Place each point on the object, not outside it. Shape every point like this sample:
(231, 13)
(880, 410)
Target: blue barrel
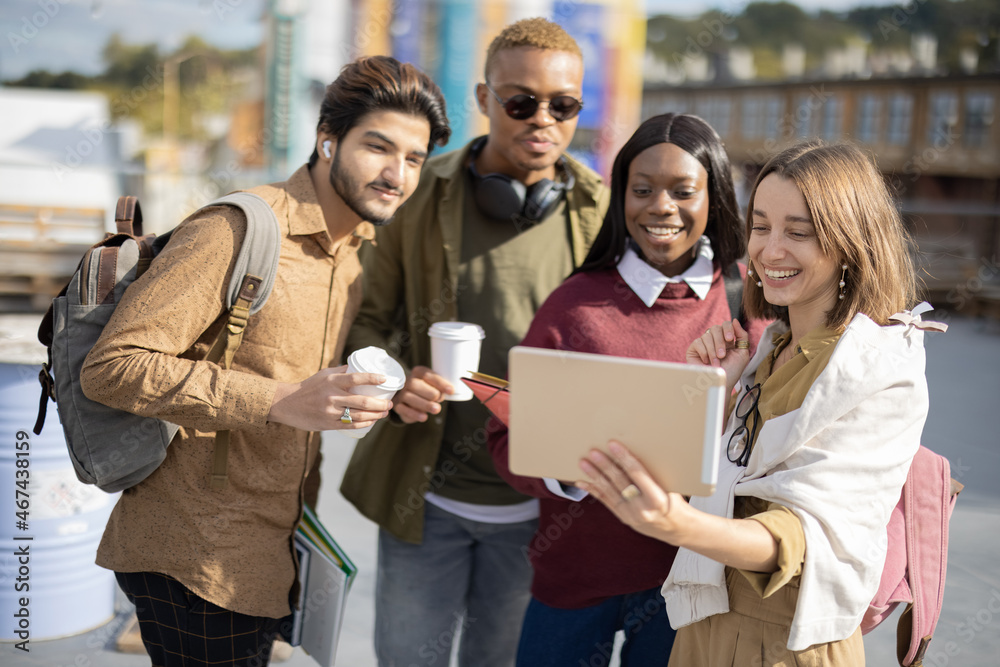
(49, 584)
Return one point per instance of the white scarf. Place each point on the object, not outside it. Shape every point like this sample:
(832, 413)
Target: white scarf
(839, 463)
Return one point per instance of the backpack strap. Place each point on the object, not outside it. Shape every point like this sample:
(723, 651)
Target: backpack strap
(128, 216)
(261, 247)
(733, 282)
(251, 284)
(929, 497)
(128, 223)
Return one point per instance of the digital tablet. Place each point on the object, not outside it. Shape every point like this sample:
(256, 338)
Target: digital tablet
(562, 404)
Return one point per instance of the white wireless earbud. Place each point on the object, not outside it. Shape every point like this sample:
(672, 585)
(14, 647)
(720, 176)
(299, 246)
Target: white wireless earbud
(326, 148)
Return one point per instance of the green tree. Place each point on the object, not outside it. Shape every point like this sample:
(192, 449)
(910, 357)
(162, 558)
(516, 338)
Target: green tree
(41, 78)
(128, 65)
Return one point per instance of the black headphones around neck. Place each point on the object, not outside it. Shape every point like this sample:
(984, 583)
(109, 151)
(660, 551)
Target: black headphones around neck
(501, 197)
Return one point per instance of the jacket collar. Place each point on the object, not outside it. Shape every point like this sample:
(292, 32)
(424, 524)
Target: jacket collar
(452, 165)
(448, 172)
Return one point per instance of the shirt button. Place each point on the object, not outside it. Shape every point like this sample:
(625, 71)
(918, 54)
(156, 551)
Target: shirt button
(437, 420)
(427, 470)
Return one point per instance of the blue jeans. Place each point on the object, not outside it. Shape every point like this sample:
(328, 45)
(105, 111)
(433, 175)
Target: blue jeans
(585, 637)
(465, 574)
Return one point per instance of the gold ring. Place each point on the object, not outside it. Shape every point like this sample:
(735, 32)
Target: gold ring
(742, 345)
(631, 492)
(346, 417)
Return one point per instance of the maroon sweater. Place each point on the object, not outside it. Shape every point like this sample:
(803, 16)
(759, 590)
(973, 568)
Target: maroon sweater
(582, 554)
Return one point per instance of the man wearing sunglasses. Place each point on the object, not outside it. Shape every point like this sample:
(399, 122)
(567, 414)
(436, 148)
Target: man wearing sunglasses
(493, 228)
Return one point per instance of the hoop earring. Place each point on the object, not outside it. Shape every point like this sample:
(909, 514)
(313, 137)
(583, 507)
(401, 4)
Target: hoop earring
(842, 283)
(750, 274)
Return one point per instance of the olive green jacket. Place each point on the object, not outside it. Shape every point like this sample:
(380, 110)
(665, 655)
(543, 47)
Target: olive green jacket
(410, 282)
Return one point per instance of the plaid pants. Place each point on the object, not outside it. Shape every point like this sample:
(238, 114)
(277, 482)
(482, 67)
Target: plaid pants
(180, 629)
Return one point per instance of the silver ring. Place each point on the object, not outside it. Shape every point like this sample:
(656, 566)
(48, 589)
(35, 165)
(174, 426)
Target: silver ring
(346, 417)
(631, 492)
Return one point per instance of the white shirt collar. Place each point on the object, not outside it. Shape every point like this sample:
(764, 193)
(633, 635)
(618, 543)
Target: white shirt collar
(648, 283)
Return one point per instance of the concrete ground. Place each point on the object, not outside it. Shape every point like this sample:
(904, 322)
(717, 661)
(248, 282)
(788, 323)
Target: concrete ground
(963, 370)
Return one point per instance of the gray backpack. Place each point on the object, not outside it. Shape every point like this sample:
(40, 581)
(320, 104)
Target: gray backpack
(110, 448)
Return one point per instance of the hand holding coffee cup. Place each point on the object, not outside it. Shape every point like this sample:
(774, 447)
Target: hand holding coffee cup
(455, 348)
(374, 360)
(421, 396)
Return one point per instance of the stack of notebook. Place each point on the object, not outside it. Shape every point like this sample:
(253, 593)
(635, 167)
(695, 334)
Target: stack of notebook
(325, 578)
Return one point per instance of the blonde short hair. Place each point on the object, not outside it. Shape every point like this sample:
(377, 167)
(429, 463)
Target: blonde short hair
(535, 32)
(857, 223)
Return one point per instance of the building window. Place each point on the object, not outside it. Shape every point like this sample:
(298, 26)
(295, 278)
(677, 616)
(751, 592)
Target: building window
(978, 119)
(833, 118)
(802, 118)
(761, 116)
(900, 119)
(715, 111)
(943, 118)
(772, 116)
(654, 105)
(753, 113)
(869, 118)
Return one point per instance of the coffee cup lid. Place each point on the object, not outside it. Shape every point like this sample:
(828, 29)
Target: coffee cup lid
(456, 331)
(376, 360)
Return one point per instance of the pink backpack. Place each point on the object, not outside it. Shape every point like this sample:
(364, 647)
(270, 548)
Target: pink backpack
(917, 558)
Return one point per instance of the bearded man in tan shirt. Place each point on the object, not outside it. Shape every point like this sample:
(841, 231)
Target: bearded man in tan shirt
(211, 571)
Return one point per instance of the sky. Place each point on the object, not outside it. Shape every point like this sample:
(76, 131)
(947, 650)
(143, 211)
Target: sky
(687, 7)
(63, 35)
(72, 32)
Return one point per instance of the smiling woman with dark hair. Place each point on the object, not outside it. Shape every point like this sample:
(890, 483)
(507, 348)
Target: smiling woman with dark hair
(653, 280)
(723, 224)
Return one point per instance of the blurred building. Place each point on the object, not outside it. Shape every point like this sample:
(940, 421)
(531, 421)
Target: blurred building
(448, 40)
(934, 138)
(59, 180)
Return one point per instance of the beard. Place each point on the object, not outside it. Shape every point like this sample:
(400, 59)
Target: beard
(350, 190)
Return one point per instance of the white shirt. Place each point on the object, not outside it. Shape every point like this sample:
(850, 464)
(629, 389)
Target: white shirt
(648, 283)
(523, 511)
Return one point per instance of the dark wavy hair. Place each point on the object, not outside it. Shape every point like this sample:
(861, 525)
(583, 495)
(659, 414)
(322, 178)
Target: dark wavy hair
(692, 134)
(381, 83)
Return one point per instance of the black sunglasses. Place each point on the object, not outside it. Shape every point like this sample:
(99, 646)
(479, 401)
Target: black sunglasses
(741, 441)
(523, 106)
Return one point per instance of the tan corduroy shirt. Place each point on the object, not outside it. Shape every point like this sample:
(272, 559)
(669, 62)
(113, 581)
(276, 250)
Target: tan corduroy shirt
(231, 547)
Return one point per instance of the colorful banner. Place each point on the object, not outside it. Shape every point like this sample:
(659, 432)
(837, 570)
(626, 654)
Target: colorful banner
(585, 23)
(285, 85)
(407, 24)
(458, 47)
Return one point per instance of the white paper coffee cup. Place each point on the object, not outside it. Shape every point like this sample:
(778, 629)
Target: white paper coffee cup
(374, 360)
(455, 348)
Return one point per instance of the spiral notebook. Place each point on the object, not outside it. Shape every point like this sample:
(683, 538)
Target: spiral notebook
(325, 577)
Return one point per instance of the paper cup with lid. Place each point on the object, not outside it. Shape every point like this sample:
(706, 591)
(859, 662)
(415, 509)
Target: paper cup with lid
(375, 360)
(455, 348)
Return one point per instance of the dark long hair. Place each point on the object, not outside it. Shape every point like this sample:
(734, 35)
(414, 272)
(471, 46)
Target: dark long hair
(381, 83)
(690, 133)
